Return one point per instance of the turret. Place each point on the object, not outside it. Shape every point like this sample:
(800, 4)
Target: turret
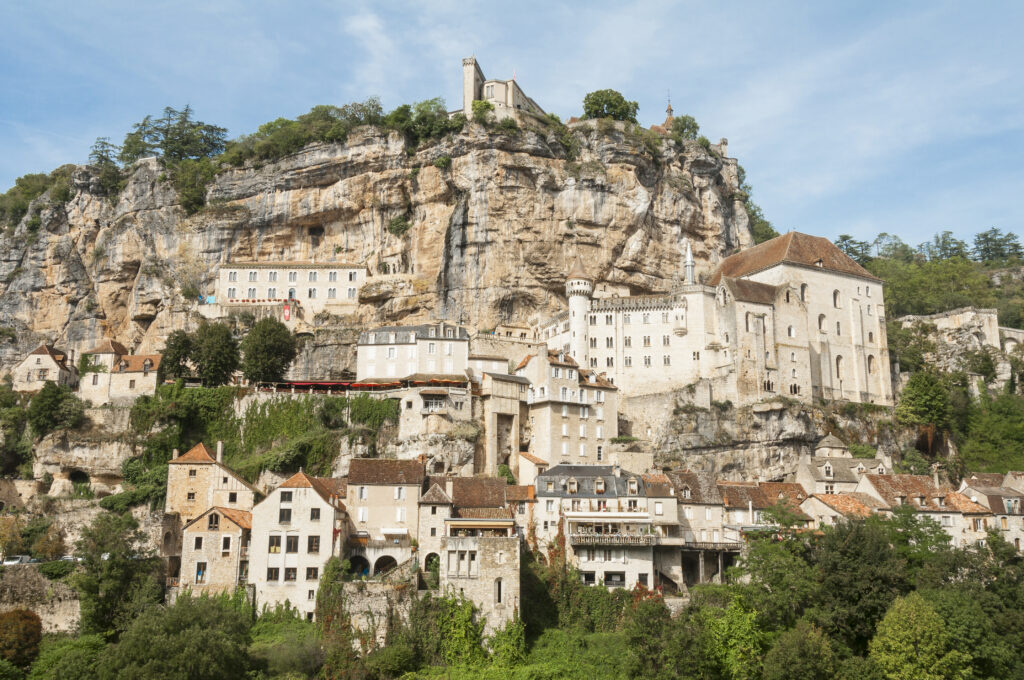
(579, 287)
(688, 264)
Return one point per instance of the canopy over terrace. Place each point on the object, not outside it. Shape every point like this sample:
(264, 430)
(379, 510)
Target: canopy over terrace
(372, 385)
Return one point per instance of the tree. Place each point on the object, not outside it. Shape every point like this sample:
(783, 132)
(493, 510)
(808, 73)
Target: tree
(993, 245)
(21, 631)
(268, 350)
(177, 354)
(340, 658)
(943, 247)
(803, 652)
(194, 639)
(8, 671)
(50, 545)
(215, 354)
(103, 156)
(685, 127)
(913, 643)
(924, 402)
(760, 228)
(609, 104)
(118, 578)
(175, 136)
(737, 642)
(859, 251)
(55, 406)
(69, 658)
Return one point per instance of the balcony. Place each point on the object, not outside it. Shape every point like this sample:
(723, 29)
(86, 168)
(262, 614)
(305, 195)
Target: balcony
(612, 539)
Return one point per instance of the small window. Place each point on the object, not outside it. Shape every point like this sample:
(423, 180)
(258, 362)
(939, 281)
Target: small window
(198, 543)
(273, 573)
(284, 515)
(291, 544)
(313, 544)
(275, 544)
(314, 514)
(290, 573)
(192, 472)
(286, 496)
(312, 573)
(835, 299)
(213, 522)
(225, 545)
(232, 497)
(191, 496)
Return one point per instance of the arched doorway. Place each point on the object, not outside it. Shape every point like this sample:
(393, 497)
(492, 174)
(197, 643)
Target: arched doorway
(432, 570)
(360, 566)
(384, 565)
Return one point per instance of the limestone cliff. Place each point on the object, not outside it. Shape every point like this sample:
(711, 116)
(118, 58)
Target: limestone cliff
(490, 234)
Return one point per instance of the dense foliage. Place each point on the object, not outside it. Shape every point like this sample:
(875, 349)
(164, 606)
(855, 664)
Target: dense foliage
(212, 351)
(21, 631)
(55, 407)
(268, 349)
(609, 104)
(14, 204)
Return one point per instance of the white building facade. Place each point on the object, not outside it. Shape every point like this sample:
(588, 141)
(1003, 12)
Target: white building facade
(400, 351)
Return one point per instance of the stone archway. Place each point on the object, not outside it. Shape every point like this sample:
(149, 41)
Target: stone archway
(384, 564)
(360, 565)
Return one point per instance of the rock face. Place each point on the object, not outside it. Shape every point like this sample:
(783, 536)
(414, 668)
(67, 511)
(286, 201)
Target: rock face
(23, 587)
(489, 241)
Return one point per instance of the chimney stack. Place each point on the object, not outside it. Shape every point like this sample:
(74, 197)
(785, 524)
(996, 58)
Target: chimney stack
(175, 454)
(935, 475)
(220, 451)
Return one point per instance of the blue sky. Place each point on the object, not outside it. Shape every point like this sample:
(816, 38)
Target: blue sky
(848, 117)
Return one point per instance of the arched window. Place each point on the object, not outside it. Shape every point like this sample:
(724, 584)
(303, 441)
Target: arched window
(794, 372)
(787, 296)
(821, 322)
(835, 299)
(803, 292)
(839, 368)
(871, 336)
(871, 363)
(789, 331)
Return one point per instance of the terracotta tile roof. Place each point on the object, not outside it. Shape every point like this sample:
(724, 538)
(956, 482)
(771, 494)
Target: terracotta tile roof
(918, 491)
(989, 479)
(787, 491)
(532, 458)
(566, 360)
(240, 517)
(702, 487)
(57, 355)
(135, 363)
(197, 455)
(745, 290)
(435, 496)
(326, 487)
(851, 505)
(524, 362)
(965, 505)
(385, 471)
(520, 492)
(741, 494)
(791, 248)
(482, 513)
(108, 346)
(478, 492)
(599, 379)
(658, 485)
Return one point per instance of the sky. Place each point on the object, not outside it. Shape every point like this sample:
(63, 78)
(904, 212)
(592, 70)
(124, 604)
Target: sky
(849, 117)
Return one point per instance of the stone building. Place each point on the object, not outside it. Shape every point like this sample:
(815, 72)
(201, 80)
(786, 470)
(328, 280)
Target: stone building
(298, 527)
(196, 481)
(122, 377)
(304, 288)
(480, 560)
(503, 409)
(42, 365)
(827, 509)
(965, 521)
(383, 512)
(573, 412)
(1005, 504)
(603, 513)
(793, 316)
(215, 551)
(833, 469)
(707, 548)
(445, 498)
(398, 351)
(505, 95)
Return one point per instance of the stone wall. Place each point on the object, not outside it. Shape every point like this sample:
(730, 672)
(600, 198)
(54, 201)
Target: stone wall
(370, 603)
(23, 587)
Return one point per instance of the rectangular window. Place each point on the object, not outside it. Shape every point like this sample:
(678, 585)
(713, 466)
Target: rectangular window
(593, 343)
(647, 341)
(200, 572)
(190, 496)
(312, 573)
(565, 410)
(600, 453)
(399, 493)
(666, 360)
(332, 293)
(253, 276)
(696, 356)
(232, 276)
(312, 277)
(313, 544)
(95, 378)
(131, 384)
(647, 362)
(284, 515)
(665, 340)
(399, 514)
(272, 293)
(332, 276)
(273, 573)
(293, 277)
(609, 362)
(362, 514)
(192, 472)
(311, 293)
(286, 496)
(272, 277)
(199, 543)
(608, 320)
(627, 361)
(658, 508)
(627, 341)
(593, 319)
(609, 343)
(290, 573)
(225, 544)
(362, 493)
(233, 497)
(352, 276)
(291, 544)
(583, 450)
(351, 293)
(250, 294)
(583, 430)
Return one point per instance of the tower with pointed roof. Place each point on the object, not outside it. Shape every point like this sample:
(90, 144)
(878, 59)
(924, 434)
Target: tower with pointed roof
(579, 287)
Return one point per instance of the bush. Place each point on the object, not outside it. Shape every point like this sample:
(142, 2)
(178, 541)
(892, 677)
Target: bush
(69, 658)
(21, 631)
(268, 350)
(609, 104)
(398, 225)
(684, 127)
(55, 407)
(443, 162)
(482, 111)
(57, 569)
(509, 126)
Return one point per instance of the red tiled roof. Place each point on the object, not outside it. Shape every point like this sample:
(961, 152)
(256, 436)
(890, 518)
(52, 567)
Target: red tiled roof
(135, 363)
(742, 494)
(912, 489)
(657, 484)
(524, 362)
(965, 505)
(435, 496)
(532, 458)
(240, 517)
(108, 346)
(478, 492)
(326, 487)
(792, 248)
(850, 504)
(790, 494)
(197, 455)
(520, 492)
(57, 355)
(385, 471)
(482, 513)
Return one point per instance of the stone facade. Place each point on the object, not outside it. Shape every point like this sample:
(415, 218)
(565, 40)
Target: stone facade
(399, 351)
(793, 316)
(383, 511)
(298, 527)
(505, 95)
(485, 569)
(313, 287)
(215, 551)
(43, 364)
(121, 377)
(196, 482)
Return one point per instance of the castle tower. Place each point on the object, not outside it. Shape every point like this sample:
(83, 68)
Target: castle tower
(688, 264)
(472, 84)
(578, 288)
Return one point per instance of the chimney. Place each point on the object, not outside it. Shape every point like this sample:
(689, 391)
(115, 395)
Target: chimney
(935, 475)
(617, 470)
(175, 453)
(220, 451)
(449, 487)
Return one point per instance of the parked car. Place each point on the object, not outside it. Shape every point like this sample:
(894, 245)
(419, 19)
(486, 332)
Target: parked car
(17, 559)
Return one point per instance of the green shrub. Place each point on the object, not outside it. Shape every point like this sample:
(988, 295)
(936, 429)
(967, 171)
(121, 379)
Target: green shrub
(443, 162)
(862, 451)
(482, 111)
(398, 225)
(624, 439)
(609, 104)
(57, 569)
(55, 407)
(509, 126)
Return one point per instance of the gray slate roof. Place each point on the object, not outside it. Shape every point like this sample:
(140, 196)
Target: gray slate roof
(843, 469)
(586, 476)
(409, 334)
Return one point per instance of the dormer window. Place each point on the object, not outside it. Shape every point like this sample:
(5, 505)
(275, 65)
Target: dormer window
(633, 487)
(881, 469)
(574, 486)
(214, 522)
(599, 485)
(433, 332)
(686, 492)
(827, 470)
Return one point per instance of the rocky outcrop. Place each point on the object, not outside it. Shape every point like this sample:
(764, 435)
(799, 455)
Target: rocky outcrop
(56, 603)
(490, 234)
